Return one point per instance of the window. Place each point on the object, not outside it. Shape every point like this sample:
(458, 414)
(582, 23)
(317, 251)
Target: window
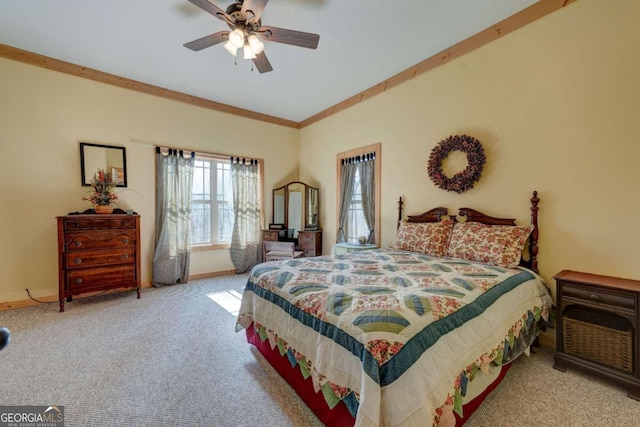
(354, 223)
(211, 202)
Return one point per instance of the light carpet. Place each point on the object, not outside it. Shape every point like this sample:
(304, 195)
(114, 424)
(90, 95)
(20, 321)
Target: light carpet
(173, 358)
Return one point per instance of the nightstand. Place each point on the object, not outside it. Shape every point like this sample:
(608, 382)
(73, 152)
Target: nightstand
(597, 318)
(346, 248)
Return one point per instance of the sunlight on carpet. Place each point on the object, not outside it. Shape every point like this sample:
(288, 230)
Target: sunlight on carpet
(229, 300)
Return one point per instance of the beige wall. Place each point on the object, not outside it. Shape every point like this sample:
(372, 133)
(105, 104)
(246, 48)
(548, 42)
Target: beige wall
(555, 105)
(44, 115)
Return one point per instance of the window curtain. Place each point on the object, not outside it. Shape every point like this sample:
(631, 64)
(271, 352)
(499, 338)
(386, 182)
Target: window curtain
(367, 184)
(174, 179)
(245, 240)
(347, 178)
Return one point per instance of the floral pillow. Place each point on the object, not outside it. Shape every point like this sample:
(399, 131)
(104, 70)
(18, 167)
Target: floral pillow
(431, 238)
(499, 245)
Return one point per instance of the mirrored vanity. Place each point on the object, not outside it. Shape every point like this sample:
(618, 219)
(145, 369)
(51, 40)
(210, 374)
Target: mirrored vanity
(296, 217)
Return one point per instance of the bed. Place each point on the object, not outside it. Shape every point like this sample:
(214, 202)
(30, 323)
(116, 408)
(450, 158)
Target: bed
(409, 335)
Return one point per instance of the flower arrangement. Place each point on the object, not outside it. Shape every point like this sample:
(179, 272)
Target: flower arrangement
(464, 180)
(103, 184)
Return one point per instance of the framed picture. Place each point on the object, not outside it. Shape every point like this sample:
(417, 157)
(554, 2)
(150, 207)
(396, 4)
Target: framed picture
(104, 157)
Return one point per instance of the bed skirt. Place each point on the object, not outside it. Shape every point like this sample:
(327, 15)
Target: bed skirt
(340, 416)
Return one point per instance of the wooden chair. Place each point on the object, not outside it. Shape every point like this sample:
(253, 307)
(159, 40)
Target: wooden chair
(275, 251)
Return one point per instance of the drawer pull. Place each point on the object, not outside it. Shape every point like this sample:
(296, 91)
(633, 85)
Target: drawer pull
(595, 297)
(78, 281)
(77, 260)
(125, 241)
(78, 243)
(125, 256)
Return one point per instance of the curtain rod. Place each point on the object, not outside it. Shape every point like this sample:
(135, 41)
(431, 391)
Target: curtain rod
(244, 160)
(174, 152)
(358, 159)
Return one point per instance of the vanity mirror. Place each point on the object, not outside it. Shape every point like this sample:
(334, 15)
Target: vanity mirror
(312, 207)
(278, 205)
(296, 207)
(105, 157)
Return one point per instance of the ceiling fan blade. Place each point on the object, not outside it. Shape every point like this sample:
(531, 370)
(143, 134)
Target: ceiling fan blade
(295, 38)
(255, 7)
(212, 9)
(262, 63)
(207, 41)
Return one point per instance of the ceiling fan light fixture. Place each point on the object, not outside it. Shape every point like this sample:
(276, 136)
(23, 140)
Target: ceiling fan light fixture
(243, 18)
(231, 48)
(256, 44)
(248, 53)
(236, 37)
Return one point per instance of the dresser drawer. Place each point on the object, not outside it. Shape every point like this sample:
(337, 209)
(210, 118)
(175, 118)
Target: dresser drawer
(270, 235)
(83, 259)
(307, 239)
(85, 280)
(310, 242)
(594, 295)
(108, 239)
(111, 222)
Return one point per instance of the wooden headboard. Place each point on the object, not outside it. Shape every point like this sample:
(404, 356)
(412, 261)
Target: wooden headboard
(440, 213)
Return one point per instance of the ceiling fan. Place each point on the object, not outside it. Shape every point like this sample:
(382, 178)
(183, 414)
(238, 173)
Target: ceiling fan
(247, 32)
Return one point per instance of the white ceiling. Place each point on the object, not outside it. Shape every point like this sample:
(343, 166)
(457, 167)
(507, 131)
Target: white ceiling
(362, 42)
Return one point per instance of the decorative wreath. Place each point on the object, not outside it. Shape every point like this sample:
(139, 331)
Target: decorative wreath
(464, 180)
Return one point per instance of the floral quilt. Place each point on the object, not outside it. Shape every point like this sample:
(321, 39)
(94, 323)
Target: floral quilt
(394, 333)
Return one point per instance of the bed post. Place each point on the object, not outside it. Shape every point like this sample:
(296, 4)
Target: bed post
(533, 244)
(399, 212)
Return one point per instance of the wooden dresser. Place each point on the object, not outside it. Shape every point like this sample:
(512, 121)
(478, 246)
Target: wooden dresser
(97, 253)
(598, 327)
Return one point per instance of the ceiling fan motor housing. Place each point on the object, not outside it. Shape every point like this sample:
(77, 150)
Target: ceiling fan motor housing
(240, 20)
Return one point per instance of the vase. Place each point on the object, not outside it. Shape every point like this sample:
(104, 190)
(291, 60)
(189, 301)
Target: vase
(103, 209)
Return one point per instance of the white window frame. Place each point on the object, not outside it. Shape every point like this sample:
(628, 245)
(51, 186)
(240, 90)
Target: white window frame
(213, 201)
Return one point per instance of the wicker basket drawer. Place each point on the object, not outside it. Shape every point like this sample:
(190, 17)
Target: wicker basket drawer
(607, 346)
